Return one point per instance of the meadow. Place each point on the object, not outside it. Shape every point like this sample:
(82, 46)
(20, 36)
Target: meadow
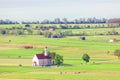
(102, 65)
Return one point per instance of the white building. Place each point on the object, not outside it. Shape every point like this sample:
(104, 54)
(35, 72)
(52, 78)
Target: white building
(42, 59)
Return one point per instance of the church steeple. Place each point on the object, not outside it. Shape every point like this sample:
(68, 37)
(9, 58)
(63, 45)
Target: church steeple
(45, 51)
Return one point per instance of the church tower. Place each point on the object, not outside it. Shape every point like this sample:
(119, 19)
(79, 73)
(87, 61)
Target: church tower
(45, 51)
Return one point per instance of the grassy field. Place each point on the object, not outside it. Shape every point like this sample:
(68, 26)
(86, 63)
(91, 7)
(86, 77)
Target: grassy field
(11, 25)
(66, 72)
(102, 66)
(92, 31)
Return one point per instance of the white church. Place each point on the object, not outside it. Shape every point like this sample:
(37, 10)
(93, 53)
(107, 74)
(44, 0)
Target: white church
(42, 59)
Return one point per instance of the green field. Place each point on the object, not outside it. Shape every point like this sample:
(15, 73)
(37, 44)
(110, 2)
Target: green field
(102, 65)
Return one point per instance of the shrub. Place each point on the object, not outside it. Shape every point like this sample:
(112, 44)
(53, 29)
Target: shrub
(86, 58)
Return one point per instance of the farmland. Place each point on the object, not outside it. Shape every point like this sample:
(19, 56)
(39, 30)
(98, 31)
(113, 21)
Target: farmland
(102, 65)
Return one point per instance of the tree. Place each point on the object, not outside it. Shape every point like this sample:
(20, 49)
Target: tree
(52, 55)
(57, 21)
(117, 53)
(64, 20)
(3, 32)
(58, 59)
(86, 58)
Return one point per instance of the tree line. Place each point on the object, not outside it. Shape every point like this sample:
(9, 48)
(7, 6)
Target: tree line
(75, 21)
(58, 21)
(7, 21)
(65, 21)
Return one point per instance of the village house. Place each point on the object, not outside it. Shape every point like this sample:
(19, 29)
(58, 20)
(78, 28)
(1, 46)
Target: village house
(42, 59)
(27, 26)
(56, 36)
(112, 40)
(47, 28)
(82, 38)
(51, 29)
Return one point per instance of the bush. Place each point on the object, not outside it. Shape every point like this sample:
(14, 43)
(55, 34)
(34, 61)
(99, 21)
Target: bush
(19, 32)
(58, 59)
(86, 58)
(3, 32)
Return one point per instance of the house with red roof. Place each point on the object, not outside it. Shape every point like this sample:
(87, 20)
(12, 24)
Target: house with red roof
(56, 36)
(42, 59)
(112, 40)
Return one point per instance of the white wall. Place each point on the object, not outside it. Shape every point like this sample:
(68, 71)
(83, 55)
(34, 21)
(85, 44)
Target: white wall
(41, 62)
(35, 59)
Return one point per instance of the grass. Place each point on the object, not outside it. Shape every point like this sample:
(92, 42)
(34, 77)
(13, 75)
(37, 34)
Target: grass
(11, 25)
(91, 32)
(87, 31)
(70, 47)
(102, 65)
(68, 72)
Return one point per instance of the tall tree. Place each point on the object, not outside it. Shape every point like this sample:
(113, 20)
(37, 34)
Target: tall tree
(58, 59)
(65, 21)
(57, 21)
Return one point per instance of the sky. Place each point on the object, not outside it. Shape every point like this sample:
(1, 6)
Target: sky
(33, 10)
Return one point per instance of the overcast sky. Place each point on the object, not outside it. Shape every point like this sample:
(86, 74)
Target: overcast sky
(49, 9)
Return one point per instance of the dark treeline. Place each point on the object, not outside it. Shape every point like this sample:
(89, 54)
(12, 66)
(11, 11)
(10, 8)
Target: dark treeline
(66, 21)
(59, 21)
(7, 21)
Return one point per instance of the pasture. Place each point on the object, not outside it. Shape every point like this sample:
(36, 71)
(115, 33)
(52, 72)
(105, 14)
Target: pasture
(103, 64)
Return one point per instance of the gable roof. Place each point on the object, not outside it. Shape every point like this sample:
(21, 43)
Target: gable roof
(42, 56)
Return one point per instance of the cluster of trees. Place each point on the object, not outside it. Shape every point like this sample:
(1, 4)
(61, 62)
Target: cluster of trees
(75, 21)
(77, 26)
(59, 21)
(57, 59)
(16, 32)
(80, 26)
(7, 21)
(66, 21)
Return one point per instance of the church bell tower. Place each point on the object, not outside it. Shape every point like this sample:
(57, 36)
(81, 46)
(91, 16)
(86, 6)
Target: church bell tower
(45, 51)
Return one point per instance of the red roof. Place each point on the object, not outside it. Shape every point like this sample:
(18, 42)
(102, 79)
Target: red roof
(113, 39)
(42, 56)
